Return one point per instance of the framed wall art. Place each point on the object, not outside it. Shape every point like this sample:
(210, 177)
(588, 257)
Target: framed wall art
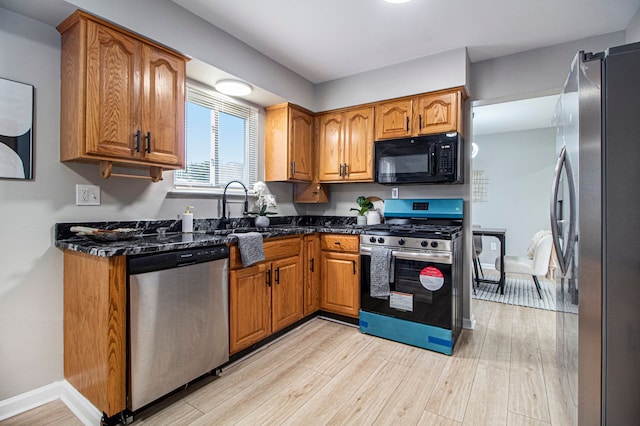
(16, 130)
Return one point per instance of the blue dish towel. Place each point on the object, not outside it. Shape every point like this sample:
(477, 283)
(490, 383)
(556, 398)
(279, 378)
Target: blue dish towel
(380, 272)
(250, 246)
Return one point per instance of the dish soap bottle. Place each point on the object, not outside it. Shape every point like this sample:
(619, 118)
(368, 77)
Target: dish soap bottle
(187, 220)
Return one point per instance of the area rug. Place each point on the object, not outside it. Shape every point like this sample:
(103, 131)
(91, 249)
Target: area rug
(519, 291)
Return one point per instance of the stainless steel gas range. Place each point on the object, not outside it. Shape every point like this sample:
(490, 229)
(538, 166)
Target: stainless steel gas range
(411, 274)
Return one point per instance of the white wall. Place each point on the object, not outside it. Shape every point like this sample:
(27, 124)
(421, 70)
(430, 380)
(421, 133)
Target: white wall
(519, 168)
(167, 23)
(436, 72)
(533, 73)
(632, 33)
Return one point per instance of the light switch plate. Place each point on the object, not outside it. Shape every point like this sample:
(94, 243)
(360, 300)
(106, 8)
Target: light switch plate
(394, 192)
(87, 195)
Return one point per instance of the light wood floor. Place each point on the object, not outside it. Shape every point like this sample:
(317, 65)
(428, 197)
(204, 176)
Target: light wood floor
(502, 373)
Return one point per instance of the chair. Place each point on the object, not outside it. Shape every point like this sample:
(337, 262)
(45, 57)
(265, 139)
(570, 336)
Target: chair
(476, 249)
(537, 264)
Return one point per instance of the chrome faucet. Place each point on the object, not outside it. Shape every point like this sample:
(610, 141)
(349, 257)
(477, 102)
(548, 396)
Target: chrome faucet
(224, 200)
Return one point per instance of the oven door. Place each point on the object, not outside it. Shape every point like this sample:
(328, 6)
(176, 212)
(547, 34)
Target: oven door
(421, 290)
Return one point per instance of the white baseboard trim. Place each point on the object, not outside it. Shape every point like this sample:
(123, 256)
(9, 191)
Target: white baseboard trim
(62, 390)
(469, 323)
(29, 400)
(79, 405)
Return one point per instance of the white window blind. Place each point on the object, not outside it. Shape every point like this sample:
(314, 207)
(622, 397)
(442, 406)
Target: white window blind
(221, 141)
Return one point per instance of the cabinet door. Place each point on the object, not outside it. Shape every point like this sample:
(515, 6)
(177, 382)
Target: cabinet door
(330, 145)
(300, 143)
(358, 144)
(393, 119)
(113, 92)
(340, 291)
(249, 306)
(311, 268)
(163, 107)
(437, 114)
(286, 295)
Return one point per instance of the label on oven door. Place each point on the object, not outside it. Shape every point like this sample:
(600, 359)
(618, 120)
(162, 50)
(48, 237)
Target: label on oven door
(431, 278)
(401, 301)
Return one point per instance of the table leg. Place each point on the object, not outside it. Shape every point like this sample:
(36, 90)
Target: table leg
(502, 273)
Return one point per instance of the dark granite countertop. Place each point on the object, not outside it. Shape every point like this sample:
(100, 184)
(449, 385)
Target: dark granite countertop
(159, 236)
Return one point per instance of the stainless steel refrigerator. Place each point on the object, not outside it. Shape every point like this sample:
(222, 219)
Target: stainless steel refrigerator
(595, 220)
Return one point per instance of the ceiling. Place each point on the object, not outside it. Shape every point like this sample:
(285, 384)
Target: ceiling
(525, 114)
(328, 39)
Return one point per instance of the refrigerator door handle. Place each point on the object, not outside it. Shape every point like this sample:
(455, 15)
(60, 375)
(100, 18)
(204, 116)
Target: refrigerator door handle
(564, 256)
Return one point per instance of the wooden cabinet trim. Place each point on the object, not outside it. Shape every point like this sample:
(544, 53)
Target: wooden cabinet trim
(95, 315)
(340, 243)
(274, 248)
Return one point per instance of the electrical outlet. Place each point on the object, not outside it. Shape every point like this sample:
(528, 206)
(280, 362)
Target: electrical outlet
(494, 246)
(87, 195)
(394, 192)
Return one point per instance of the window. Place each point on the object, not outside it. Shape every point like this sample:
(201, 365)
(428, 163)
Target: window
(221, 141)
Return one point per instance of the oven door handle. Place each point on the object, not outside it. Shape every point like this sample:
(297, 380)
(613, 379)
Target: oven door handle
(424, 256)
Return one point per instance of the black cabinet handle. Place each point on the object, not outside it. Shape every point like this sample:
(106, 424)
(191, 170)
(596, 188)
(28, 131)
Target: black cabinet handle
(340, 170)
(138, 134)
(353, 262)
(346, 169)
(269, 278)
(148, 142)
(313, 261)
(277, 275)
(420, 120)
(407, 125)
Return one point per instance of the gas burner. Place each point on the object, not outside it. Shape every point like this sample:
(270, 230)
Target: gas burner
(417, 231)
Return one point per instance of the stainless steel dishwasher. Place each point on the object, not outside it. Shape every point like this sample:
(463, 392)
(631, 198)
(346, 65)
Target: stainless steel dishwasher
(178, 319)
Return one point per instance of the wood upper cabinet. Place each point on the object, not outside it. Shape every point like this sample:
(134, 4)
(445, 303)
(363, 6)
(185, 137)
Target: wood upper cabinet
(340, 290)
(267, 297)
(95, 328)
(393, 119)
(437, 113)
(122, 97)
(311, 268)
(288, 143)
(345, 143)
(427, 114)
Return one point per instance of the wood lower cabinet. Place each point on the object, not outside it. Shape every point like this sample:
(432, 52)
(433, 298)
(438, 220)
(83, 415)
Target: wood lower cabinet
(311, 267)
(267, 297)
(345, 145)
(249, 306)
(95, 328)
(122, 97)
(340, 290)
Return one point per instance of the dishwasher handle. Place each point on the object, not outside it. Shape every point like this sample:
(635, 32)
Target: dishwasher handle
(143, 263)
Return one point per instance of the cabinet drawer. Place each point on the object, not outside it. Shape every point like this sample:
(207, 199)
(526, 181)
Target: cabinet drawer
(341, 243)
(274, 248)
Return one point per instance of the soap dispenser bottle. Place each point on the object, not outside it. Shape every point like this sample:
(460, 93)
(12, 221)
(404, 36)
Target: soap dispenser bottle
(187, 220)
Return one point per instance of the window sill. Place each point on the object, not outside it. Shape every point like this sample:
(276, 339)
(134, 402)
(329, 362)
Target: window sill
(206, 193)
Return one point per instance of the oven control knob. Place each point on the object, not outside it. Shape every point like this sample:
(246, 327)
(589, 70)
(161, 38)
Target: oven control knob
(372, 239)
(434, 244)
(381, 240)
(424, 243)
(401, 242)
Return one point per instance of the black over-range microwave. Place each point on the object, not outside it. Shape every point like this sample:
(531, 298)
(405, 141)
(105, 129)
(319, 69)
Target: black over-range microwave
(418, 160)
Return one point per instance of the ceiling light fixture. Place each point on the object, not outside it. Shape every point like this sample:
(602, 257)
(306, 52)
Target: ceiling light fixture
(397, 1)
(233, 87)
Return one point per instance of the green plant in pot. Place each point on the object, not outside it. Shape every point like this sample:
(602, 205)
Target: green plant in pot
(364, 205)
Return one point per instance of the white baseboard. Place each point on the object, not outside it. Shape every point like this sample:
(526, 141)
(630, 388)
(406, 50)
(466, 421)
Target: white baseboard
(62, 390)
